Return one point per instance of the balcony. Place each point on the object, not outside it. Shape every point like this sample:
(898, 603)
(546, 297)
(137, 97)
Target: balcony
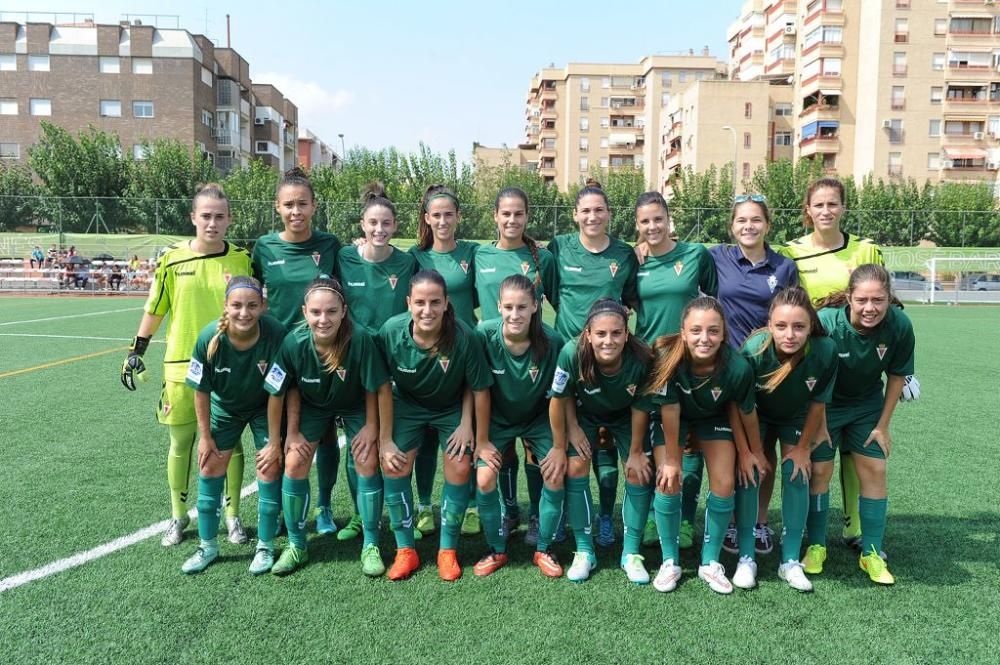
(672, 159)
(548, 171)
(245, 108)
(895, 170)
(548, 93)
(975, 71)
(826, 144)
(897, 104)
(549, 113)
(547, 150)
(819, 112)
(225, 136)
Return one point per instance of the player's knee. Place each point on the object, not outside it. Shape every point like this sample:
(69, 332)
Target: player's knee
(578, 467)
(486, 480)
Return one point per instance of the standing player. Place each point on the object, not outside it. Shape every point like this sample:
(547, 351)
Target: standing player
(873, 337)
(189, 283)
(286, 262)
(227, 371)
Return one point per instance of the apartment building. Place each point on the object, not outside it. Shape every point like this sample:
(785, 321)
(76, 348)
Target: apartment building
(605, 115)
(522, 156)
(891, 88)
(142, 83)
(313, 151)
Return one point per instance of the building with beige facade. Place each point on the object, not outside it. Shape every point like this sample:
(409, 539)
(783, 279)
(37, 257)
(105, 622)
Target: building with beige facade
(142, 83)
(313, 151)
(521, 156)
(587, 115)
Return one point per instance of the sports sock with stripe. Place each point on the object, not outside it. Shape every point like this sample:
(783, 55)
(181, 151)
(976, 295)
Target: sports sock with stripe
(717, 512)
(794, 509)
(580, 512)
(179, 466)
(268, 509)
(635, 509)
(819, 512)
(425, 468)
(606, 470)
(533, 478)
(507, 482)
(691, 468)
(370, 506)
(399, 501)
(667, 512)
(209, 506)
(550, 510)
(327, 466)
(234, 481)
(489, 515)
(454, 501)
(746, 516)
(295, 504)
(872, 512)
(850, 490)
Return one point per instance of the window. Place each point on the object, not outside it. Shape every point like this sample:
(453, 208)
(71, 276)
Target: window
(8, 106)
(746, 170)
(8, 62)
(667, 80)
(584, 104)
(783, 138)
(940, 26)
(40, 106)
(831, 66)
(10, 151)
(746, 140)
(606, 82)
(142, 109)
(934, 127)
(584, 164)
(38, 63)
(682, 77)
(937, 62)
(604, 141)
(899, 64)
(584, 84)
(604, 122)
(111, 108)
(895, 131)
(783, 109)
(584, 144)
(748, 110)
(604, 162)
(260, 146)
(206, 76)
(895, 163)
(584, 124)
(145, 66)
(207, 118)
(604, 102)
(141, 152)
(898, 98)
(936, 93)
(548, 144)
(933, 161)
(902, 31)
(665, 100)
(109, 65)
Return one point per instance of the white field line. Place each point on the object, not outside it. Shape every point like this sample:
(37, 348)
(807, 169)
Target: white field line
(87, 556)
(72, 316)
(102, 339)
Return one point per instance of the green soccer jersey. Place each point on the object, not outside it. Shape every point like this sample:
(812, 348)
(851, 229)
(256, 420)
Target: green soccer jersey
(585, 277)
(286, 268)
(235, 378)
(823, 271)
(705, 397)
(192, 289)
(520, 383)
(611, 397)
(863, 359)
(667, 283)
(811, 381)
(434, 382)
(361, 370)
(375, 292)
(458, 269)
(494, 265)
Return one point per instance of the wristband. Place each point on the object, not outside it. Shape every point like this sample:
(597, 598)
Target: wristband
(139, 345)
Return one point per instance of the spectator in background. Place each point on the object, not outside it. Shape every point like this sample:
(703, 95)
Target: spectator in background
(37, 257)
(81, 277)
(52, 256)
(115, 278)
(72, 251)
(103, 275)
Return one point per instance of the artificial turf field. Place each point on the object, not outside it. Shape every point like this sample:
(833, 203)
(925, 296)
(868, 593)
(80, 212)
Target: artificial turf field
(84, 464)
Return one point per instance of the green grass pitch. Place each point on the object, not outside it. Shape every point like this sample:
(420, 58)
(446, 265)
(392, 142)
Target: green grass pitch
(84, 464)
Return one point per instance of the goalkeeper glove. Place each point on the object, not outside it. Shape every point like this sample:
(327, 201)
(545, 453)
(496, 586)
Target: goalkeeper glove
(133, 368)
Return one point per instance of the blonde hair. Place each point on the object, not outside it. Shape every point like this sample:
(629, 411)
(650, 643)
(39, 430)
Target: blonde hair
(338, 350)
(238, 282)
(793, 296)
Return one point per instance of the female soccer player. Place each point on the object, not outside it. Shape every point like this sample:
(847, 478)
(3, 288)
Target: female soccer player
(226, 371)
(435, 363)
(339, 374)
(598, 382)
(825, 258)
(189, 283)
(873, 337)
(592, 265)
(521, 353)
(375, 276)
(701, 372)
(795, 366)
(286, 262)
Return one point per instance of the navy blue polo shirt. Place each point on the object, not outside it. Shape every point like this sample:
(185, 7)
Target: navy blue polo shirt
(745, 289)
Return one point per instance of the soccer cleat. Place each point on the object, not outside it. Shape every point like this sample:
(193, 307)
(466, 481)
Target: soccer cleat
(548, 564)
(685, 539)
(290, 560)
(199, 561)
(877, 571)
(763, 537)
(715, 575)
(605, 531)
(175, 531)
(471, 524)
(448, 568)
(425, 520)
(324, 521)
(634, 569)
(237, 534)
(371, 561)
(667, 577)
(791, 572)
(583, 564)
(531, 535)
(650, 536)
(263, 561)
(405, 564)
(560, 534)
(351, 530)
(730, 543)
(812, 562)
(510, 524)
(490, 564)
(745, 576)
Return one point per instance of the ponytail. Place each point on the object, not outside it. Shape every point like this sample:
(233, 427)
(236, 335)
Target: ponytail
(221, 329)
(295, 176)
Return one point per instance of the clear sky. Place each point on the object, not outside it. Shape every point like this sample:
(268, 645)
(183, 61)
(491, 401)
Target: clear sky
(446, 73)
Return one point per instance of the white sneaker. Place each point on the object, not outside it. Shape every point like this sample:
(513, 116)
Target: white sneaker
(745, 576)
(714, 573)
(237, 534)
(667, 577)
(791, 572)
(175, 531)
(531, 535)
(634, 570)
(583, 564)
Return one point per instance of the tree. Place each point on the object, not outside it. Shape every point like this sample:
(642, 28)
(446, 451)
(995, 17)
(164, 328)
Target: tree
(17, 196)
(251, 192)
(162, 184)
(965, 215)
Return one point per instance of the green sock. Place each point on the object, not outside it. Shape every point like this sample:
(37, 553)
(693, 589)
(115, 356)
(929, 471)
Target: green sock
(794, 508)
(454, 501)
(399, 501)
(746, 517)
(717, 513)
(352, 481)
(295, 504)
(234, 481)
(489, 515)
(268, 509)
(635, 509)
(550, 509)
(580, 512)
(179, 466)
(507, 482)
(533, 476)
(425, 468)
(209, 506)
(327, 466)
(369, 496)
(819, 511)
(872, 512)
(667, 513)
(850, 488)
(691, 468)
(606, 470)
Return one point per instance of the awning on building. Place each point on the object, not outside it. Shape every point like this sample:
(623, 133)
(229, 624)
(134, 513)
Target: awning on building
(621, 139)
(830, 93)
(964, 153)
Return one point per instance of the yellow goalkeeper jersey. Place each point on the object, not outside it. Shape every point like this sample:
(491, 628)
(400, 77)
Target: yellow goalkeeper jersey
(823, 271)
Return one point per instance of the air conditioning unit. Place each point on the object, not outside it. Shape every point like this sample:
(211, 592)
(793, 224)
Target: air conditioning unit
(989, 3)
(977, 136)
(946, 164)
(887, 124)
(993, 166)
(789, 29)
(260, 122)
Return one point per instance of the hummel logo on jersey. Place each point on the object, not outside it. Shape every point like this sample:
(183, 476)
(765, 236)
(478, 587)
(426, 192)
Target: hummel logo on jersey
(533, 373)
(392, 281)
(309, 380)
(223, 370)
(678, 267)
(484, 271)
(573, 269)
(316, 257)
(882, 348)
(811, 383)
(760, 386)
(444, 362)
(844, 355)
(716, 393)
(591, 391)
(719, 428)
(184, 273)
(342, 373)
(406, 370)
(361, 284)
(498, 371)
(631, 389)
(613, 267)
(262, 366)
(642, 273)
(524, 267)
(279, 262)
(464, 265)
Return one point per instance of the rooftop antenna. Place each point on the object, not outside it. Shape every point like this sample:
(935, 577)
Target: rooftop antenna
(229, 42)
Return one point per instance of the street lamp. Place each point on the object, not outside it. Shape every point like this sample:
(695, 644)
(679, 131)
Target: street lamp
(343, 150)
(728, 128)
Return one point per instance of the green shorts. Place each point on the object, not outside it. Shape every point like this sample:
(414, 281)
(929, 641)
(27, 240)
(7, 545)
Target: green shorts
(621, 432)
(409, 423)
(315, 422)
(711, 429)
(176, 406)
(786, 433)
(227, 428)
(851, 425)
(536, 435)
(654, 437)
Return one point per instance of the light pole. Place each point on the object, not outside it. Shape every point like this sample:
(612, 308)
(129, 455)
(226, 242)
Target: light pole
(343, 150)
(735, 154)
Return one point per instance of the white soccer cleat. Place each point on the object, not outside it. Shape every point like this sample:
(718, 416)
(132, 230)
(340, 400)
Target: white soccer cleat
(634, 569)
(237, 534)
(175, 531)
(583, 564)
(667, 577)
(745, 576)
(791, 572)
(715, 575)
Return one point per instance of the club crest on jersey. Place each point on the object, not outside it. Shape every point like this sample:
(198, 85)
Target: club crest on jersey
(444, 362)
(613, 267)
(533, 373)
(262, 366)
(166, 408)
(716, 393)
(525, 267)
(811, 383)
(227, 276)
(342, 373)
(772, 283)
(464, 265)
(678, 267)
(882, 348)
(392, 281)
(316, 258)
(631, 389)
